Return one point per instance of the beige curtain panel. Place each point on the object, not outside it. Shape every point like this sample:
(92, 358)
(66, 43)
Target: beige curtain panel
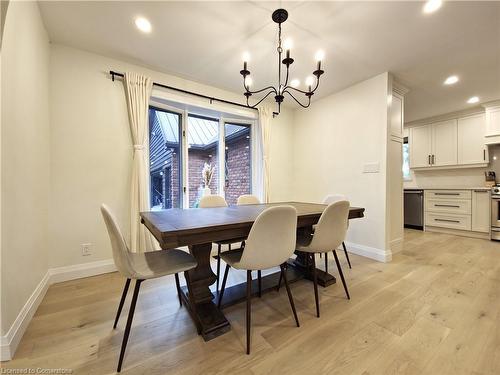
(138, 91)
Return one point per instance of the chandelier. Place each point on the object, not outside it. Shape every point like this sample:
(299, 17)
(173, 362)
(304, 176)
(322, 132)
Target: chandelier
(279, 16)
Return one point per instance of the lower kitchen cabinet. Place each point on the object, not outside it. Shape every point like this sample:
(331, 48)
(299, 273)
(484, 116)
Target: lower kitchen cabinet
(481, 206)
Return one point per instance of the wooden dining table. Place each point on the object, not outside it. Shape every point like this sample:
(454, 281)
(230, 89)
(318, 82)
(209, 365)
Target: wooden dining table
(198, 228)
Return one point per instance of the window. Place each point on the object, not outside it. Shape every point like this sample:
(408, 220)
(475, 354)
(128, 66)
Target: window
(165, 159)
(203, 144)
(193, 154)
(238, 173)
(406, 160)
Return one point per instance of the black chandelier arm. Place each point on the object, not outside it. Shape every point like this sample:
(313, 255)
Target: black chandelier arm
(302, 91)
(298, 102)
(261, 100)
(258, 91)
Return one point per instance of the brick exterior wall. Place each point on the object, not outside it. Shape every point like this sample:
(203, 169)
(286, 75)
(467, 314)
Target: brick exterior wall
(197, 159)
(238, 172)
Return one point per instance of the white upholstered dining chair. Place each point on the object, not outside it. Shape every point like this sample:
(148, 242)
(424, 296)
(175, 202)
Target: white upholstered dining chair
(270, 243)
(140, 267)
(247, 199)
(211, 201)
(328, 235)
(329, 199)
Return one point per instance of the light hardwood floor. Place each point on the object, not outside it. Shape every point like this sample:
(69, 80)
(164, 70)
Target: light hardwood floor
(435, 309)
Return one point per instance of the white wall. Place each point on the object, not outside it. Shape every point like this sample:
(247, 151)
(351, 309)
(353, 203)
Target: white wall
(91, 150)
(24, 157)
(281, 157)
(332, 141)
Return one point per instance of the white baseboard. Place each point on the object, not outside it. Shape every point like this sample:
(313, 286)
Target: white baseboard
(369, 252)
(78, 271)
(10, 341)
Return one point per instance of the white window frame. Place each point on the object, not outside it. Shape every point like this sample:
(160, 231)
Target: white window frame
(248, 117)
(222, 147)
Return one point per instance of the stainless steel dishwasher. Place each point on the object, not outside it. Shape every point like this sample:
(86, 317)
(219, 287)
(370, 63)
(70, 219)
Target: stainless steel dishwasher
(414, 208)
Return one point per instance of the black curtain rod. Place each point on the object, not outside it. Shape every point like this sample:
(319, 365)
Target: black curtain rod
(212, 99)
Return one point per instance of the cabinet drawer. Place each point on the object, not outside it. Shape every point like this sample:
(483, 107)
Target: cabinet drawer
(461, 222)
(452, 206)
(448, 194)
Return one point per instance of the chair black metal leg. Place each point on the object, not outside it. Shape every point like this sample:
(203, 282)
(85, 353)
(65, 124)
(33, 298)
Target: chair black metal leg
(224, 279)
(346, 254)
(129, 323)
(192, 301)
(229, 247)
(122, 300)
(218, 267)
(279, 281)
(249, 307)
(178, 286)
(315, 282)
(326, 262)
(259, 277)
(341, 274)
(290, 298)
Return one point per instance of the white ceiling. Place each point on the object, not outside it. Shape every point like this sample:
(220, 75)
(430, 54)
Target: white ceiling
(204, 41)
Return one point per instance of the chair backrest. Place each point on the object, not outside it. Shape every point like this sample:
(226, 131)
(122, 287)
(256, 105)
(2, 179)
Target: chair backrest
(271, 240)
(121, 254)
(332, 198)
(331, 228)
(247, 199)
(212, 201)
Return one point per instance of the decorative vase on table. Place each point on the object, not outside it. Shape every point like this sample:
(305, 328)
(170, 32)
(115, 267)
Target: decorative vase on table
(207, 191)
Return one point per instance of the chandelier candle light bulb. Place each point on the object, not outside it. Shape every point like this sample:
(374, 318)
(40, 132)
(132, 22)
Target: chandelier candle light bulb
(283, 86)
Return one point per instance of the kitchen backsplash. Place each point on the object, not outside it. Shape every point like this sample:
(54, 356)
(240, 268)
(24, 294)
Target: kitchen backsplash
(466, 177)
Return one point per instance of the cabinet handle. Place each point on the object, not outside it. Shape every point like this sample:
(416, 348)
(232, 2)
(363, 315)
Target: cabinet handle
(448, 221)
(481, 191)
(429, 160)
(484, 154)
(433, 159)
(446, 205)
(446, 193)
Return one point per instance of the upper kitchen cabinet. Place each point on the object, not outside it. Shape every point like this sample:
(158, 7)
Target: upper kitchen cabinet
(492, 123)
(396, 116)
(471, 147)
(433, 145)
(452, 143)
(444, 143)
(420, 146)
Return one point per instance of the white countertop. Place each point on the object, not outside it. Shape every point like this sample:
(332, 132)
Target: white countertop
(447, 188)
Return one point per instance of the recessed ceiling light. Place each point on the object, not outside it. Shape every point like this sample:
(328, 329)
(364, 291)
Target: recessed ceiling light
(143, 24)
(473, 100)
(432, 5)
(451, 80)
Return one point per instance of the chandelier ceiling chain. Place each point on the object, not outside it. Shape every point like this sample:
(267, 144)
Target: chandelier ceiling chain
(279, 16)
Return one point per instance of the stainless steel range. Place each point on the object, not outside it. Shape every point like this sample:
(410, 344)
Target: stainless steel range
(495, 212)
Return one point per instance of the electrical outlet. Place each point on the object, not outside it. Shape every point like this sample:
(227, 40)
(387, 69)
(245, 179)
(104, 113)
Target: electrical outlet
(86, 249)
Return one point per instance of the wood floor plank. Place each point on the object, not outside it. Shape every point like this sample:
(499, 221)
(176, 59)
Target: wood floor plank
(435, 309)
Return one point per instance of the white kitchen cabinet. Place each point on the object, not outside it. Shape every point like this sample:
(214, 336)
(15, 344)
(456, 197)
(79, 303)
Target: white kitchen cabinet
(420, 146)
(396, 116)
(454, 143)
(481, 206)
(492, 123)
(471, 147)
(444, 143)
(464, 212)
